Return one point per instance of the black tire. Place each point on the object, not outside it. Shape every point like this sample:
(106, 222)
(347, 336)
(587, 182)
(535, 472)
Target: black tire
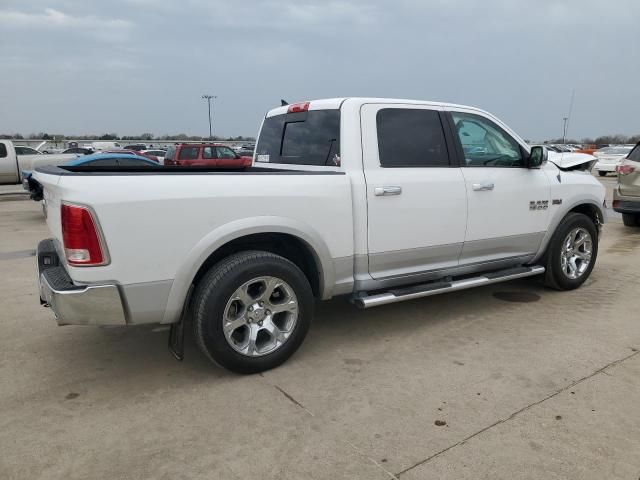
(631, 219)
(601, 173)
(555, 277)
(216, 288)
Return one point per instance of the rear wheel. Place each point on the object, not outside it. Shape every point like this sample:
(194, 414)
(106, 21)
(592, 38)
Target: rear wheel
(601, 173)
(252, 311)
(572, 252)
(631, 219)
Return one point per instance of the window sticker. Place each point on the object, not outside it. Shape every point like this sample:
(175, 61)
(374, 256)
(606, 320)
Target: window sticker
(262, 158)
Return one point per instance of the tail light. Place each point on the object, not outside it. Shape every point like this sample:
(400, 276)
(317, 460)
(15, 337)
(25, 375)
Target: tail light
(80, 237)
(298, 107)
(625, 169)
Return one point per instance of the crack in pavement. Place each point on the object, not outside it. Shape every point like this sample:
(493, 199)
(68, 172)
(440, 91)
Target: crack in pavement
(518, 412)
(353, 447)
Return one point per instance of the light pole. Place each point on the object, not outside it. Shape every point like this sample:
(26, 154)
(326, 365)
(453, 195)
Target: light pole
(564, 130)
(208, 98)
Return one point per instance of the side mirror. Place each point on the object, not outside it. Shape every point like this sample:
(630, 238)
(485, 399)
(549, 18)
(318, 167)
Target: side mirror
(537, 157)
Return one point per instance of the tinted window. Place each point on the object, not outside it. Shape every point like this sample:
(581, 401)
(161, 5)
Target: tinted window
(411, 138)
(189, 153)
(3, 150)
(485, 144)
(306, 138)
(225, 152)
(634, 155)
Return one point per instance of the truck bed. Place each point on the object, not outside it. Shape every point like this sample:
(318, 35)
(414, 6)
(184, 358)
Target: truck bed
(174, 170)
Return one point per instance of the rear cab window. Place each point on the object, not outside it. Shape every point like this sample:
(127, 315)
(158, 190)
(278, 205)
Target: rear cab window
(301, 138)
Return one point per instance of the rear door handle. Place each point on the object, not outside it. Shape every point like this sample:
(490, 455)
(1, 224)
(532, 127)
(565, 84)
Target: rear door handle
(385, 191)
(480, 187)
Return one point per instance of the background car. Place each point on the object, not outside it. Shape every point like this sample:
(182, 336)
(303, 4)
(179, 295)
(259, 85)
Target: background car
(123, 151)
(609, 158)
(138, 147)
(112, 160)
(78, 150)
(22, 150)
(93, 160)
(626, 195)
(205, 155)
(159, 154)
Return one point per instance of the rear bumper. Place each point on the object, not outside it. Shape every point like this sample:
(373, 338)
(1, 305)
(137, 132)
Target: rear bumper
(605, 167)
(625, 204)
(75, 304)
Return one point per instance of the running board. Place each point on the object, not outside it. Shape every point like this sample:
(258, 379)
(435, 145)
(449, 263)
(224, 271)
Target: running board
(436, 288)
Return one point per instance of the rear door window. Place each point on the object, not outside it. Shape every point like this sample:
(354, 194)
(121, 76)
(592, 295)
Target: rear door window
(302, 138)
(189, 153)
(410, 137)
(3, 150)
(209, 152)
(633, 156)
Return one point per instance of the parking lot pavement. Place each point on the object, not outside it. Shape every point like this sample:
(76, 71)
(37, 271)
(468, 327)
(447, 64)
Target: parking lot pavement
(508, 381)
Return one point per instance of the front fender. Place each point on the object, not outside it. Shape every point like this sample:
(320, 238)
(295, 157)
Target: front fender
(590, 200)
(238, 229)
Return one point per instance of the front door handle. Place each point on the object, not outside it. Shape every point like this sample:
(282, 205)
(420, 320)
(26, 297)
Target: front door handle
(384, 191)
(480, 187)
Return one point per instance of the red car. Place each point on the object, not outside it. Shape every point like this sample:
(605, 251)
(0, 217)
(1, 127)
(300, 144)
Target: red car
(132, 152)
(205, 155)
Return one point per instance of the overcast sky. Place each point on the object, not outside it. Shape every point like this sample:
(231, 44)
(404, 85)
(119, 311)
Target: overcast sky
(134, 66)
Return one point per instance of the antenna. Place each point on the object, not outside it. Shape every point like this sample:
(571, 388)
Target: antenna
(567, 119)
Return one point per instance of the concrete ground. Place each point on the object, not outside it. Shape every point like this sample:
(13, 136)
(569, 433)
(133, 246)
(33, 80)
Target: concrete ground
(504, 382)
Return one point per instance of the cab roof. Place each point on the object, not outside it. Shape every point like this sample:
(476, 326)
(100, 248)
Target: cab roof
(336, 103)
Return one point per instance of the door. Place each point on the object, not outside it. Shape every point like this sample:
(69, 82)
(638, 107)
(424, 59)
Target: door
(8, 166)
(210, 156)
(508, 203)
(416, 198)
(228, 158)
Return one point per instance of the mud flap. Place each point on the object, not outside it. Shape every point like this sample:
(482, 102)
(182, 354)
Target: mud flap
(176, 333)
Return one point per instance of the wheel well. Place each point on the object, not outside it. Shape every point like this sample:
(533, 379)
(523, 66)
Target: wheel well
(590, 211)
(288, 246)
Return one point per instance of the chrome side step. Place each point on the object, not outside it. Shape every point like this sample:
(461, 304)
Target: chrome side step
(436, 288)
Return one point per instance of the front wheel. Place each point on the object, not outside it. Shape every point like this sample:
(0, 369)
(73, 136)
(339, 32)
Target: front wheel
(631, 219)
(601, 173)
(572, 252)
(252, 311)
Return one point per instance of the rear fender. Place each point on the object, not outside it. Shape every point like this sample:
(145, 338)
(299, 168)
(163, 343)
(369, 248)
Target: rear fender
(238, 229)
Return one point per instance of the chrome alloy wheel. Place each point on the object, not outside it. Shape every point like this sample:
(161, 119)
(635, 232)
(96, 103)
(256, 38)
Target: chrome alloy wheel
(260, 316)
(575, 256)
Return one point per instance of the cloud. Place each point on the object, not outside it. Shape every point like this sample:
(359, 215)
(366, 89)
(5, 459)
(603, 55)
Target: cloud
(102, 28)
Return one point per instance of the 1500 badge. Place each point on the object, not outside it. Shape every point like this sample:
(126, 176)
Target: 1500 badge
(538, 204)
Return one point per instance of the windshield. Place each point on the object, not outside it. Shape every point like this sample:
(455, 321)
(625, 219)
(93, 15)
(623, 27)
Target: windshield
(302, 138)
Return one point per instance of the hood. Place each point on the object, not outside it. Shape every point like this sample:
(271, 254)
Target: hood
(568, 161)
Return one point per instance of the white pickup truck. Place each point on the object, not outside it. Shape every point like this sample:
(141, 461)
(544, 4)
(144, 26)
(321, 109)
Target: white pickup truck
(378, 199)
(15, 159)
